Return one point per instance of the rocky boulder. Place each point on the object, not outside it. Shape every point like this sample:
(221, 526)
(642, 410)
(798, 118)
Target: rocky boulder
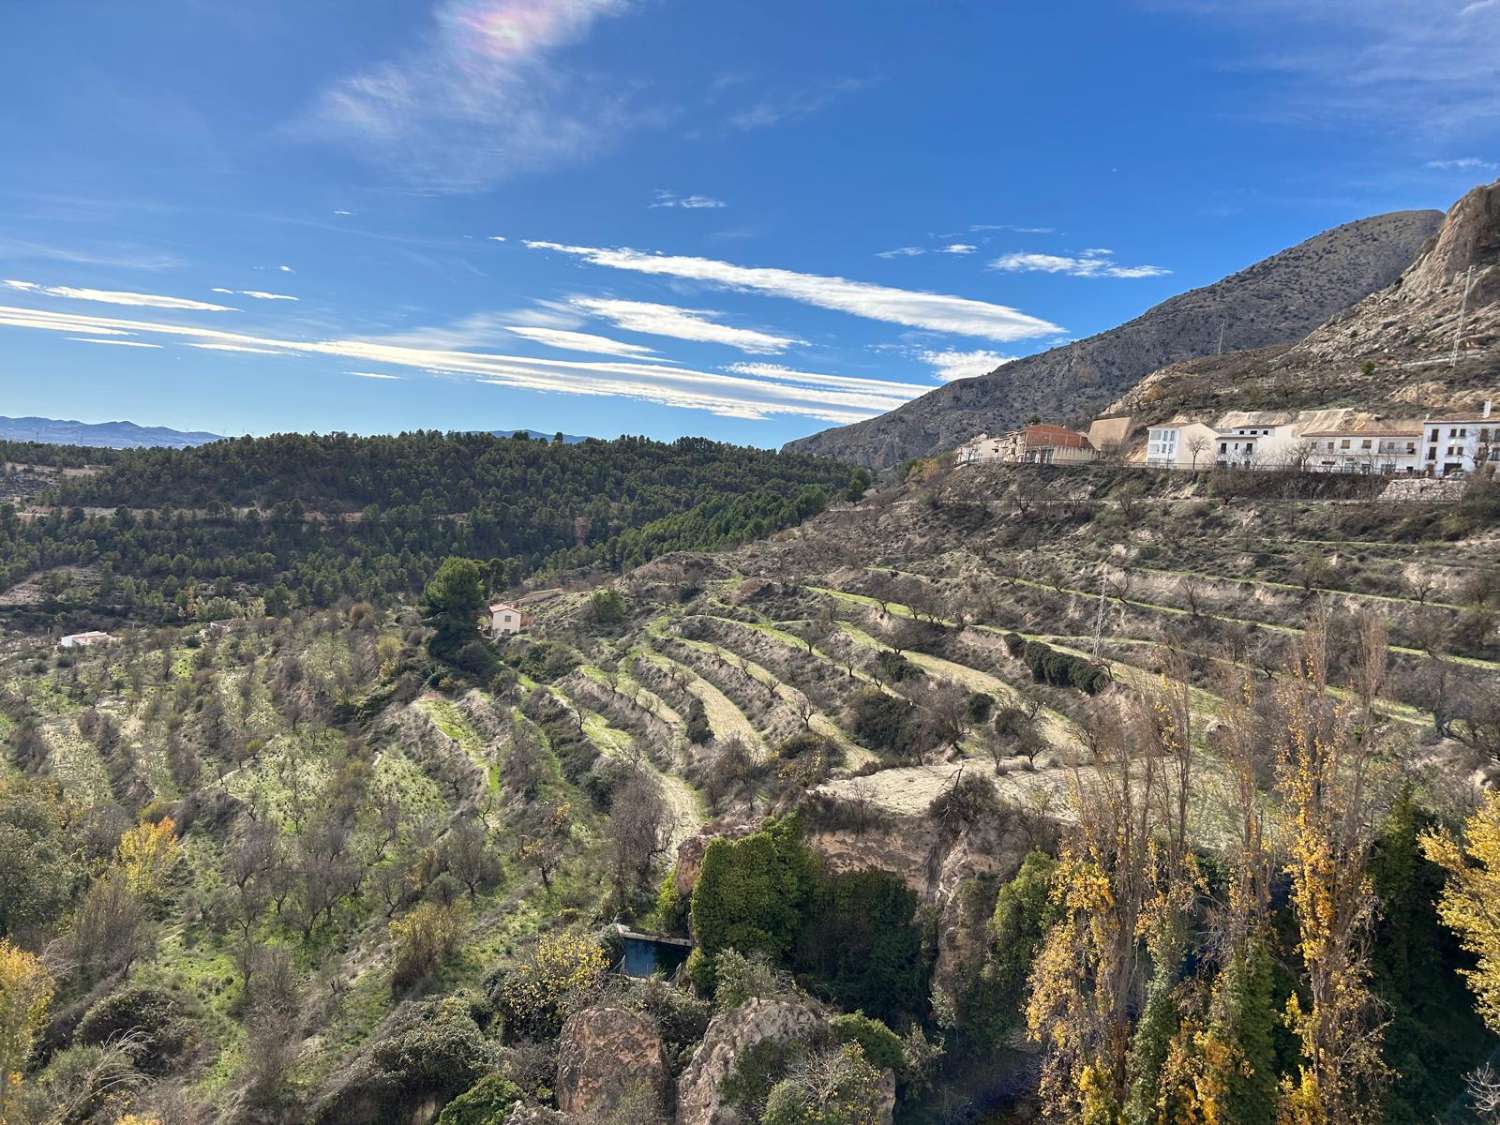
(729, 1037)
(609, 1055)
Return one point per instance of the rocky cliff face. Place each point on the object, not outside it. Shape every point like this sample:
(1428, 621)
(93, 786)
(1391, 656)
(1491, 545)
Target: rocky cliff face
(1394, 351)
(1276, 301)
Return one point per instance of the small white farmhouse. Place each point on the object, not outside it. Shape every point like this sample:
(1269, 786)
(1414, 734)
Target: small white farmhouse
(506, 619)
(84, 640)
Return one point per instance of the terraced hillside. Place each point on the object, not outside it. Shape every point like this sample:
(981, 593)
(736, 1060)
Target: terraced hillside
(323, 875)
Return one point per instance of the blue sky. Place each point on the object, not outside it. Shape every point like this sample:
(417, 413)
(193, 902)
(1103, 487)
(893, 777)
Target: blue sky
(749, 219)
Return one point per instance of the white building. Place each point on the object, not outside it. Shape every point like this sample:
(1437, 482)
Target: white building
(1254, 439)
(84, 640)
(982, 448)
(1461, 444)
(1181, 443)
(506, 619)
(1363, 446)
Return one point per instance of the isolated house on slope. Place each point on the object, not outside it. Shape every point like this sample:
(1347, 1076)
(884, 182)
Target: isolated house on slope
(506, 619)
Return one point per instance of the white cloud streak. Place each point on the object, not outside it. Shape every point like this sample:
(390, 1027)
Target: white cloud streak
(578, 341)
(902, 252)
(375, 375)
(1094, 262)
(950, 365)
(113, 343)
(726, 395)
(236, 348)
(678, 323)
(111, 297)
(914, 309)
(479, 98)
(255, 294)
(688, 202)
(958, 248)
(1465, 163)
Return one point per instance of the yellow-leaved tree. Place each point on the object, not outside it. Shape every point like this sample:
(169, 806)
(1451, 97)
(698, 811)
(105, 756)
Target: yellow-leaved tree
(1327, 751)
(147, 854)
(25, 992)
(1470, 904)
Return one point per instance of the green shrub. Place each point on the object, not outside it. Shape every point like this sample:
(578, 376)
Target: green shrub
(752, 894)
(837, 1088)
(698, 729)
(485, 1103)
(978, 708)
(886, 724)
(881, 1045)
(1015, 644)
(158, 1018)
(895, 667)
(739, 979)
(1062, 669)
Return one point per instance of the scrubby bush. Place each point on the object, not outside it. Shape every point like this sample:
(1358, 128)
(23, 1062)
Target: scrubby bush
(159, 1019)
(698, 729)
(978, 708)
(881, 1045)
(740, 979)
(1062, 669)
(486, 1102)
(423, 1051)
(540, 993)
(886, 724)
(424, 939)
(895, 667)
(838, 1087)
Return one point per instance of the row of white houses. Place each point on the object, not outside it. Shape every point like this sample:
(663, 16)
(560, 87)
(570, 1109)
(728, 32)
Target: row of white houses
(1334, 441)
(1330, 441)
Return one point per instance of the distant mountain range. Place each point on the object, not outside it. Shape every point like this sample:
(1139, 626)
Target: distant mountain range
(1277, 301)
(568, 439)
(128, 435)
(100, 435)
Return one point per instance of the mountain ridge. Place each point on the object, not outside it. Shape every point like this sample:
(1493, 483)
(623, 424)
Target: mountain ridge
(1277, 300)
(101, 435)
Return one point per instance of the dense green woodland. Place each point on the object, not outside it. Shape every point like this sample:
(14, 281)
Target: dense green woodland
(308, 520)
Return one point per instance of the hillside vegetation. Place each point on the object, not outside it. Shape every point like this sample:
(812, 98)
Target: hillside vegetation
(997, 789)
(172, 535)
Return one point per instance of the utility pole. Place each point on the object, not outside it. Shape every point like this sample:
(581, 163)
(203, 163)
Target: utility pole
(1463, 310)
(1221, 337)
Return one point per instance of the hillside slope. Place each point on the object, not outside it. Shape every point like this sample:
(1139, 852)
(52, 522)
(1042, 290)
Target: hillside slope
(1393, 350)
(1275, 301)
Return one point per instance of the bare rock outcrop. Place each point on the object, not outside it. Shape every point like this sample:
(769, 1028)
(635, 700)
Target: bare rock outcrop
(729, 1036)
(607, 1056)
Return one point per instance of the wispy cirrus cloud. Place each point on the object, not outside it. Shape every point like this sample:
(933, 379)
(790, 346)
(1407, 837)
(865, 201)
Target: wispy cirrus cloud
(688, 202)
(937, 312)
(375, 375)
(480, 98)
(565, 340)
(235, 348)
(1464, 163)
(698, 325)
(950, 365)
(255, 294)
(112, 297)
(118, 257)
(113, 343)
(902, 252)
(727, 395)
(784, 107)
(1418, 65)
(1093, 262)
(896, 392)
